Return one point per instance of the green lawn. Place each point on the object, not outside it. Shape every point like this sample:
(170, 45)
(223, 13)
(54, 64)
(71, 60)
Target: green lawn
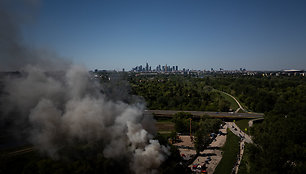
(161, 119)
(164, 127)
(242, 124)
(233, 103)
(229, 157)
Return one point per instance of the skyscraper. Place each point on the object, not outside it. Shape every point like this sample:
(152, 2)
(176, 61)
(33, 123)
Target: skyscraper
(147, 66)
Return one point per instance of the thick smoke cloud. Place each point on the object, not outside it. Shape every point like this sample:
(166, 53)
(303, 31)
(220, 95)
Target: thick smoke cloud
(60, 111)
(56, 104)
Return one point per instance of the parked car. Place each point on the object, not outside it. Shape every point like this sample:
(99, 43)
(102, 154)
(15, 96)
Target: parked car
(204, 171)
(194, 167)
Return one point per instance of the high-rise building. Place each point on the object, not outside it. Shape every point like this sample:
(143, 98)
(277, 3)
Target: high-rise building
(147, 67)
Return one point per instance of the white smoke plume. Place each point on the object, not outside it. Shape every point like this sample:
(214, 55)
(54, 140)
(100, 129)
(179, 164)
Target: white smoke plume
(60, 110)
(57, 104)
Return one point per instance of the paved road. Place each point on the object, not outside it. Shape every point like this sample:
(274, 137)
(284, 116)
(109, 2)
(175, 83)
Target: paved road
(236, 130)
(240, 156)
(21, 151)
(246, 139)
(170, 113)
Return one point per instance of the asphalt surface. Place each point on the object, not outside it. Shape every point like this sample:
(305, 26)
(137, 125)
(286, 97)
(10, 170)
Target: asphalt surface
(21, 151)
(236, 130)
(170, 113)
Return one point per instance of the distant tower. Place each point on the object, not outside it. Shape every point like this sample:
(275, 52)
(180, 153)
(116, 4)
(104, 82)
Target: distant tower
(147, 66)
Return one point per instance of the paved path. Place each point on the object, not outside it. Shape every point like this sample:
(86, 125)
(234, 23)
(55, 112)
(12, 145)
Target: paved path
(246, 139)
(252, 121)
(240, 156)
(235, 101)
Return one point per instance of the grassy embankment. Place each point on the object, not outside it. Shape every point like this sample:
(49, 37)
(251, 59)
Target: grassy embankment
(229, 156)
(242, 124)
(234, 106)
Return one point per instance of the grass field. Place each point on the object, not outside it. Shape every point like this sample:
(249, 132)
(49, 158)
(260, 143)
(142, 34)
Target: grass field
(242, 124)
(229, 157)
(164, 127)
(233, 103)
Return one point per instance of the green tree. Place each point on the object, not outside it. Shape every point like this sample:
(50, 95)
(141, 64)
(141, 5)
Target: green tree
(201, 140)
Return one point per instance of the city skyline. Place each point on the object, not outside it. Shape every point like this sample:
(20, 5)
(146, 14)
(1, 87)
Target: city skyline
(256, 35)
(175, 68)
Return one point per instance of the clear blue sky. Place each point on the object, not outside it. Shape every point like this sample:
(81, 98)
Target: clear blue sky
(195, 34)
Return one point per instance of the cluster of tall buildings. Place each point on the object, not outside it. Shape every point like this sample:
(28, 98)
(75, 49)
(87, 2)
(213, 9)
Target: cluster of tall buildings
(158, 68)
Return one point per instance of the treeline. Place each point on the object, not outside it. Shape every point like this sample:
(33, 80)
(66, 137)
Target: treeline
(201, 129)
(178, 93)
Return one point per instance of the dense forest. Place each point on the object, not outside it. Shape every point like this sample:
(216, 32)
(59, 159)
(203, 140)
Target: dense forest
(178, 93)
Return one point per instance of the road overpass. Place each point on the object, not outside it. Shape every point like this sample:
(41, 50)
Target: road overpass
(199, 114)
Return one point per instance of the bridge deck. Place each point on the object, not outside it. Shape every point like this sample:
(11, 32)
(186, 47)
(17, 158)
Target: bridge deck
(170, 113)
